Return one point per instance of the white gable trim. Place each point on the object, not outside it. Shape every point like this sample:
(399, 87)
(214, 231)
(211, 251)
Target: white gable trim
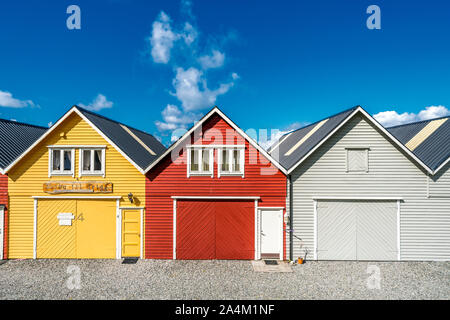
(64, 117)
(441, 166)
(379, 126)
(232, 124)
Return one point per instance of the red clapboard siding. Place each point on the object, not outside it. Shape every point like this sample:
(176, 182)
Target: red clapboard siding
(4, 201)
(169, 178)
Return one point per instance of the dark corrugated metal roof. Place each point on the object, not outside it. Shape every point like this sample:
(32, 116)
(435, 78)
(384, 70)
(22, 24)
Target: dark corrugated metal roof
(435, 149)
(290, 139)
(15, 138)
(127, 143)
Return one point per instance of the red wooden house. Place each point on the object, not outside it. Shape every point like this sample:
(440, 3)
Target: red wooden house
(215, 194)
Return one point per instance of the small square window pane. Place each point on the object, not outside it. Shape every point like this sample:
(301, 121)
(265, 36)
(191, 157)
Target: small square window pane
(67, 161)
(97, 160)
(86, 160)
(236, 159)
(56, 166)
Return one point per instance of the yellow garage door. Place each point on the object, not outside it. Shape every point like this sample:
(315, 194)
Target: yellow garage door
(76, 229)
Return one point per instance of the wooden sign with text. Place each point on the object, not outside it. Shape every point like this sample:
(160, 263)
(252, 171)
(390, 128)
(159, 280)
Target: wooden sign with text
(78, 187)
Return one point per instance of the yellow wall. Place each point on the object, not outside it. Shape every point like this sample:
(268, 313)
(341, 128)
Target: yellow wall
(26, 179)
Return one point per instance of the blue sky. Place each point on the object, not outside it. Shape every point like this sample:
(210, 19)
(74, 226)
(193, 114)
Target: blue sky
(159, 65)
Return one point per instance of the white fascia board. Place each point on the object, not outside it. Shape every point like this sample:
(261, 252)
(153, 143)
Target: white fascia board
(232, 124)
(441, 166)
(356, 198)
(217, 197)
(373, 121)
(64, 117)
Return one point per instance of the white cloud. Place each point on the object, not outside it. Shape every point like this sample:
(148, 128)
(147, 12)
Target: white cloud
(235, 76)
(100, 102)
(215, 60)
(192, 90)
(276, 134)
(50, 124)
(163, 37)
(7, 100)
(174, 118)
(392, 118)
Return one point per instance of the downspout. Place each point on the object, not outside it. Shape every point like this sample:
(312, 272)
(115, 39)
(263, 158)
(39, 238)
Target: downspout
(291, 220)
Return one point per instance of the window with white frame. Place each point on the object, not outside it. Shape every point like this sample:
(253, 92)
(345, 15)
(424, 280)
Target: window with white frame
(357, 159)
(200, 160)
(92, 162)
(231, 160)
(61, 162)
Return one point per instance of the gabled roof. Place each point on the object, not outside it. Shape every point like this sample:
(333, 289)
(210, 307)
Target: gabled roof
(429, 140)
(295, 147)
(138, 147)
(15, 138)
(198, 125)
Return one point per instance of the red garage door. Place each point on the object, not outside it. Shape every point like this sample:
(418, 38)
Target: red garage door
(215, 230)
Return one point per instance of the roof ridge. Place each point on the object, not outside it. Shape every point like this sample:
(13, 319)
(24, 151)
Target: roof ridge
(416, 122)
(23, 123)
(112, 120)
(316, 122)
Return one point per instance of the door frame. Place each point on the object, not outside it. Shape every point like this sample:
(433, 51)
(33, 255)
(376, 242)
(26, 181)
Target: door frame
(36, 198)
(398, 200)
(174, 218)
(281, 226)
(119, 231)
(2, 228)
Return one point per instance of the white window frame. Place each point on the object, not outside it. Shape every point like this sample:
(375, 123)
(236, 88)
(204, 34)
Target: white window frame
(61, 149)
(92, 149)
(347, 149)
(230, 148)
(209, 173)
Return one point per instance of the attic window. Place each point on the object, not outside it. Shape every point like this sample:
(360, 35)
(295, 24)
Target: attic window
(92, 162)
(357, 159)
(231, 161)
(61, 162)
(200, 161)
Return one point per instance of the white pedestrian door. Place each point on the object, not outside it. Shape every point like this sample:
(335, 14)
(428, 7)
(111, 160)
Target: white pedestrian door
(271, 233)
(2, 228)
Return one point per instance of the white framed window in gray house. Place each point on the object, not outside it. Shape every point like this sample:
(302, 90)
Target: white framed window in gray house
(200, 161)
(231, 160)
(92, 161)
(357, 159)
(61, 161)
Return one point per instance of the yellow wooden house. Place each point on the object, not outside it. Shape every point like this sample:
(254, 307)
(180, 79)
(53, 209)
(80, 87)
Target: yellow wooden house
(79, 190)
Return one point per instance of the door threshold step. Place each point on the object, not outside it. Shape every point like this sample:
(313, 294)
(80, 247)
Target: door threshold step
(130, 260)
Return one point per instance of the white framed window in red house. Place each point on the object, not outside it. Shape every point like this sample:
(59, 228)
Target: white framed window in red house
(200, 161)
(231, 160)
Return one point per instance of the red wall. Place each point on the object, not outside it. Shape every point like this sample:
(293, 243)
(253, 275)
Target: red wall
(4, 201)
(169, 178)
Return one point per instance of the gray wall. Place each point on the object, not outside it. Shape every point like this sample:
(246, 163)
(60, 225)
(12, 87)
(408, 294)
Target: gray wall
(424, 221)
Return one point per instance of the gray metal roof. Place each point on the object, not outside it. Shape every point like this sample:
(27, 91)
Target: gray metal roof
(435, 149)
(123, 140)
(290, 139)
(15, 138)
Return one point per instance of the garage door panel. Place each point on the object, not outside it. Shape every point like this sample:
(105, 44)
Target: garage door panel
(336, 232)
(96, 229)
(53, 240)
(195, 230)
(235, 230)
(377, 231)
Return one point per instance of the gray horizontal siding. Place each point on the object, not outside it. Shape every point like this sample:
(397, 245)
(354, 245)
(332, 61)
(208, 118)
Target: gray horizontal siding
(424, 223)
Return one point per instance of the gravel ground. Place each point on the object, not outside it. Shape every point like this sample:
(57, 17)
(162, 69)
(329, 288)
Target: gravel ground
(166, 279)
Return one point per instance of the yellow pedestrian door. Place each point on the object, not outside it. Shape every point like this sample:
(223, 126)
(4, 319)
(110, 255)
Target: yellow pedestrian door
(70, 229)
(131, 233)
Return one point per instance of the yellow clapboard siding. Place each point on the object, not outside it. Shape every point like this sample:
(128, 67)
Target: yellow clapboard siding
(423, 134)
(26, 179)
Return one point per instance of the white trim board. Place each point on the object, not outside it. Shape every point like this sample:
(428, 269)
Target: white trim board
(64, 117)
(217, 197)
(356, 198)
(76, 197)
(374, 122)
(216, 110)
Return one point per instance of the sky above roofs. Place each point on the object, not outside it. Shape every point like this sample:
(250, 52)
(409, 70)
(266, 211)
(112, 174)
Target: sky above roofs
(160, 65)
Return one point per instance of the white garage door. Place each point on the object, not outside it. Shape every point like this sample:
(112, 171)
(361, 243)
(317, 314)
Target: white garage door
(356, 230)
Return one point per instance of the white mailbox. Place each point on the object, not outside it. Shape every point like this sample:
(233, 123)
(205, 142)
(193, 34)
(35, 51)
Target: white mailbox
(65, 218)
